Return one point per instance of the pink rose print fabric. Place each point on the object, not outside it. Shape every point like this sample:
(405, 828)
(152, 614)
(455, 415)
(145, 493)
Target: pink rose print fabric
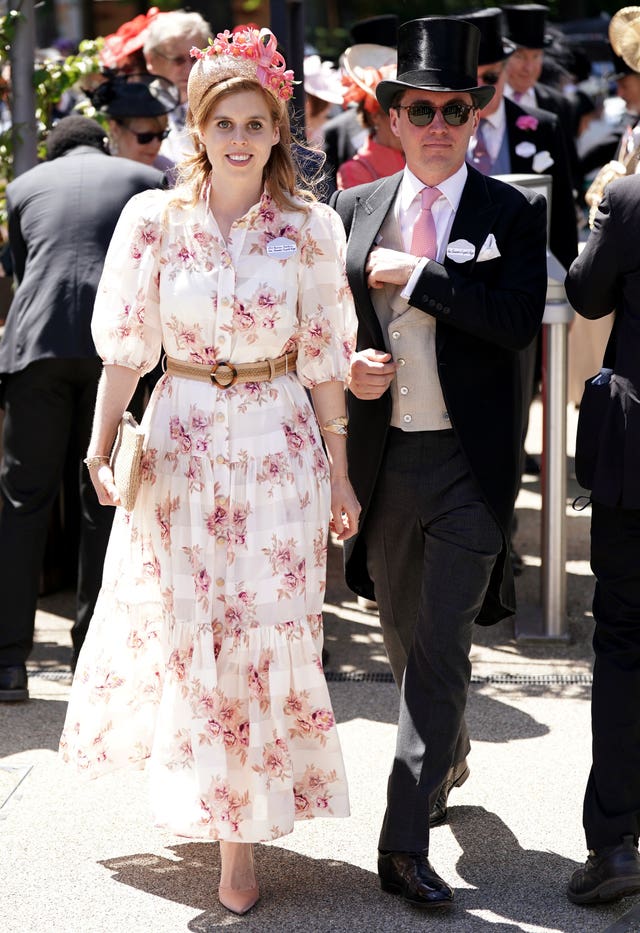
(202, 661)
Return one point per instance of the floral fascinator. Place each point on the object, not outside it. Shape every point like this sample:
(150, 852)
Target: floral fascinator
(243, 53)
(364, 66)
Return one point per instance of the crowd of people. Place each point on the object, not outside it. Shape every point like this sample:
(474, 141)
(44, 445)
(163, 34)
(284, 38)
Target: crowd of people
(352, 355)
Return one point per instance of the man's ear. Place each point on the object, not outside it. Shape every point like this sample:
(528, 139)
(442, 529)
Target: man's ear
(394, 116)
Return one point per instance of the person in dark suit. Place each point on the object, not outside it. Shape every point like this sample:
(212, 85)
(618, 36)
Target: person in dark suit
(526, 27)
(62, 214)
(605, 277)
(446, 298)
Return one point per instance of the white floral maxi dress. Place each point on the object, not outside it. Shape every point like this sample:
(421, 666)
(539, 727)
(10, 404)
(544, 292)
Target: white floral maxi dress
(203, 655)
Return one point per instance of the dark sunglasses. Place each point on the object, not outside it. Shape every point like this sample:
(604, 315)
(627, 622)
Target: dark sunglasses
(490, 77)
(144, 138)
(423, 114)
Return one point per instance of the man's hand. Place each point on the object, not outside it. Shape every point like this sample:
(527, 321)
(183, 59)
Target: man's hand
(371, 372)
(389, 265)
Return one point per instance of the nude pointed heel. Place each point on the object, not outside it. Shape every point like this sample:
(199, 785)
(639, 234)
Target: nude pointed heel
(238, 902)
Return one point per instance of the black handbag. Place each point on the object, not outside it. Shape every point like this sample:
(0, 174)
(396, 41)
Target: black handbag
(594, 405)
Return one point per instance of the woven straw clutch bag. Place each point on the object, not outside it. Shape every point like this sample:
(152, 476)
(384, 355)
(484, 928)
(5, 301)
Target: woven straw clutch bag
(126, 460)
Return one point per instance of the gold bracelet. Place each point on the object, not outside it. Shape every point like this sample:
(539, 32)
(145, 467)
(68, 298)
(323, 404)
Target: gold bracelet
(336, 426)
(95, 461)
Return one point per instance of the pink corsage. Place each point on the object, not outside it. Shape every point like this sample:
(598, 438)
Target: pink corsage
(258, 47)
(526, 122)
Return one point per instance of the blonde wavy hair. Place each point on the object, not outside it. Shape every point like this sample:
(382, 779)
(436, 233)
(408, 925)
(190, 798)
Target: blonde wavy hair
(281, 171)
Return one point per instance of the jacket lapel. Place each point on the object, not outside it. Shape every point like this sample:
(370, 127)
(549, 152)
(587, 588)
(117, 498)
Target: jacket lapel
(519, 164)
(474, 218)
(368, 216)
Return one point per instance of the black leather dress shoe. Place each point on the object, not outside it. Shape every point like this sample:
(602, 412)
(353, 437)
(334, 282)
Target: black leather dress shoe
(13, 683)
(410, 875)
(609, 874)
(456, 776)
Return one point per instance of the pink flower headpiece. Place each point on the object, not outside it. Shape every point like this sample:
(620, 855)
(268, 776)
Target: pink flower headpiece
(245, 52)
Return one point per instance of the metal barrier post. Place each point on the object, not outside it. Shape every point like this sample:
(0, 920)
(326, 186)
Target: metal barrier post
(551, 623)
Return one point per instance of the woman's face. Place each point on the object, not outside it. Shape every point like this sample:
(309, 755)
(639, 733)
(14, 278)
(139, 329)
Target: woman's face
(138, 138)
(238, 137)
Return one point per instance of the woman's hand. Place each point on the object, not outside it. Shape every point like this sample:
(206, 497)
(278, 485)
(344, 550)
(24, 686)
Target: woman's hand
(345, 508)
(106, 490)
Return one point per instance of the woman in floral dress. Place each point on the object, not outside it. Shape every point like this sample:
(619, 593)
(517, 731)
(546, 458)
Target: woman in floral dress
(203, 658)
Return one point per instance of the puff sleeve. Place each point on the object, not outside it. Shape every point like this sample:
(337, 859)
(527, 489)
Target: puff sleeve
(326, 316)
(126, 326)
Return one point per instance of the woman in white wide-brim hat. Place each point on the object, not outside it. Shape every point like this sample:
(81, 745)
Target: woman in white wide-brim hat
(364, 66)
(323, 91)
(203, 659)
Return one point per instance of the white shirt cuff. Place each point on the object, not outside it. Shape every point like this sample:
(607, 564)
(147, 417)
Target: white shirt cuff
(413, 278)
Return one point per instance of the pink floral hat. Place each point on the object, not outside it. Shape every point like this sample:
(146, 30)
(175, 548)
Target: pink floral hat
(244, 53)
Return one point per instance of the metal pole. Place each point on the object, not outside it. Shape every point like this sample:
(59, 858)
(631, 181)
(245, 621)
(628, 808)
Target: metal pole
(554, 473)
(23, 101)
(551, 623)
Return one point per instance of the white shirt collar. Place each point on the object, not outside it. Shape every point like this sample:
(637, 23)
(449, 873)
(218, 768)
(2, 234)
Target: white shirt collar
(528, 98)
(498, 119)
(451, 188)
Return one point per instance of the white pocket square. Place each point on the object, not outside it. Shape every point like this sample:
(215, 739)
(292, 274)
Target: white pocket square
(489, 249)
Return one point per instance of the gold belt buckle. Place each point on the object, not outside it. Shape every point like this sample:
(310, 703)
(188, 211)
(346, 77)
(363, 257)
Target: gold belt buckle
(214, 377)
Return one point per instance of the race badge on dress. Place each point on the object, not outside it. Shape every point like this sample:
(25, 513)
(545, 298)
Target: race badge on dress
(281, 248)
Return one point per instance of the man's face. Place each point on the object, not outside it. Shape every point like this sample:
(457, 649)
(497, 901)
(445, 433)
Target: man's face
(492, 76)
(628, 89)
(171, 60)
(524, 68)
(436, 151)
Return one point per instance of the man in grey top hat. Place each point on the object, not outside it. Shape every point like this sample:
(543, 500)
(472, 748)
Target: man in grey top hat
(448, 272)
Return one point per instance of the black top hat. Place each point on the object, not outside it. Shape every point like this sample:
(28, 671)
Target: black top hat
(378, 30)
(493, 46)
(526, 25)
(135, 95)
(436, 54)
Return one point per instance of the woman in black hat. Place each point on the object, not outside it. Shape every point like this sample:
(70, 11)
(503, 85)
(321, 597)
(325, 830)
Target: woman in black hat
(136, 107)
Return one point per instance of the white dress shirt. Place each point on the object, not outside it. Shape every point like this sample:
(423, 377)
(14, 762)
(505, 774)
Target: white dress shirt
(408, 205)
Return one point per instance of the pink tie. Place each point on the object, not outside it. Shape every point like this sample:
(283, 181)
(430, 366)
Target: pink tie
(481, 158)
(424, 241)
(517, 96)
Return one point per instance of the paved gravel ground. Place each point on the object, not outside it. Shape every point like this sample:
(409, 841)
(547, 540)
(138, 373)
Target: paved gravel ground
(84, 857)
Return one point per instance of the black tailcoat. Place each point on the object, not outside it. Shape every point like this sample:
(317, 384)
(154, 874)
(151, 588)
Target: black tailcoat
(606, 277)
(486, 312)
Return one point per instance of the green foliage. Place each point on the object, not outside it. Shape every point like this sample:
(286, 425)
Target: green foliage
(51, 80)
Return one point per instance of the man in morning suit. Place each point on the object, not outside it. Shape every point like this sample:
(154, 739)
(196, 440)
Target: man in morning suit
(527, 28)
(514, 139)
(61, 217)
(446, 298)
(606, 276)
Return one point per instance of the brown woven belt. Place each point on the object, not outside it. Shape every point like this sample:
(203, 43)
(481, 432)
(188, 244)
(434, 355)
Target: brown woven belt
(225, 375)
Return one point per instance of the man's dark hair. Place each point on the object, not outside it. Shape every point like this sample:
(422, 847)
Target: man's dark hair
(74, 131)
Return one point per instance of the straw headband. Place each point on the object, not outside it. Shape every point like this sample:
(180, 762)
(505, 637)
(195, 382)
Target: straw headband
(247, 53)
